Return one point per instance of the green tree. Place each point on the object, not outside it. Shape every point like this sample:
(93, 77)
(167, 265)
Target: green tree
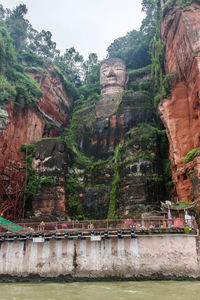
(149, 22)
(70, 63)
(91, 69)
(7, 52)
(133, 48)
(15, 84)
(2, 15)
(17, 26)
(41, 43)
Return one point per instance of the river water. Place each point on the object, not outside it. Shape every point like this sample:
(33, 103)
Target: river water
(146, 290)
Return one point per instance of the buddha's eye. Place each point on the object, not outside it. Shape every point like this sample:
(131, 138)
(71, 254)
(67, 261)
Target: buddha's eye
(105, 69)
(118, 67)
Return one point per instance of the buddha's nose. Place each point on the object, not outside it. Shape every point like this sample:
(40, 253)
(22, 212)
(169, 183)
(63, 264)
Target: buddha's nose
(111, 73)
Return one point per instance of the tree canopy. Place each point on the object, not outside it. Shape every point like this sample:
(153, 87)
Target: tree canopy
(133, 48)
(23, 46)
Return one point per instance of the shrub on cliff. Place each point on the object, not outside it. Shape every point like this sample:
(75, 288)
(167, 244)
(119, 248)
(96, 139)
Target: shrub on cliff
(46, 181)
(190, 155)
(27, 90)
(7, 91)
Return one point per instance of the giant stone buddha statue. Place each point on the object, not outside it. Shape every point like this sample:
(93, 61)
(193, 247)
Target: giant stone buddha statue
(113, 77)
(113, 80)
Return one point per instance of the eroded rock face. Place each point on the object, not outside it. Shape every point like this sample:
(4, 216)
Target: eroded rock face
(180, 113)
(51, 162)
(141, 187)
(24, 126)
(27, 125)
(4, 119)
(55, 104)
(48, 118)
(99, 135)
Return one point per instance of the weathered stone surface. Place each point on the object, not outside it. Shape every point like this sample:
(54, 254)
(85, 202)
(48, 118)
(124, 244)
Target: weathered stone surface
(55, 104)
(107, 105)
(98, 136)
(180, 112)
(47, 118)
(95, 201)
(51, 161)
(138, 163)
(148, 256)
(25, 127)
(93, 186)
(141, 186)
(113, 77)
(4, 119)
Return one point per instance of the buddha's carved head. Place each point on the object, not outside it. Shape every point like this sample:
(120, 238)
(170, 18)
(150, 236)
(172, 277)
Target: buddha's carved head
(113, 77)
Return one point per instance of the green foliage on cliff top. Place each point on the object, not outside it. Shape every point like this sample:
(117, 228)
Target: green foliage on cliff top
(133, 48)
(69, 63)
(30, 59)
(21, 44)
(27, 90)
(16, 85)
(7, 52)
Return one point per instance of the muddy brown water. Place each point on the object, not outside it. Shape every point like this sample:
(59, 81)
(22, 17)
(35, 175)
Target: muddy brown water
(146, 290)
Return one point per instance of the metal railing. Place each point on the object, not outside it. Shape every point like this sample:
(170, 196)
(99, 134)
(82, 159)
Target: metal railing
(105, 225)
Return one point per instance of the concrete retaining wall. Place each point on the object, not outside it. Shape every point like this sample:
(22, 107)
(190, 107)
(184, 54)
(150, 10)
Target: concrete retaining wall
(145, 255)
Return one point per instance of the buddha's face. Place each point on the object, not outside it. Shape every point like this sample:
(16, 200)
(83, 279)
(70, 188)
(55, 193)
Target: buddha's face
(113, 76)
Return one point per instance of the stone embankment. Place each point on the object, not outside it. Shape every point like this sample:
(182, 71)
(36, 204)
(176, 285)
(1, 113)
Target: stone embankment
(143, 256)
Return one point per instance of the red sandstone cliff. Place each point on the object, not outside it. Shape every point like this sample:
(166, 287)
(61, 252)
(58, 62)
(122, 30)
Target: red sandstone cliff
(27, 125)
(180, 112)
(55, 104)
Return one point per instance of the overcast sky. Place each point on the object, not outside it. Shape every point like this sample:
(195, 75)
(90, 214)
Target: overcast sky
(88, 25)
